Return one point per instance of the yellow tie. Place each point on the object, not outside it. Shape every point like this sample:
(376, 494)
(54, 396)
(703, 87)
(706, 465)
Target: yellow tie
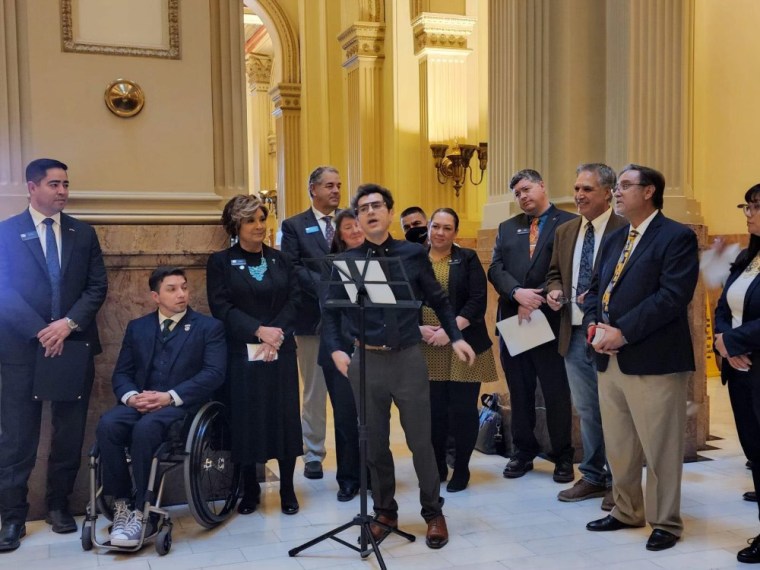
(533, 235)
(624, 255)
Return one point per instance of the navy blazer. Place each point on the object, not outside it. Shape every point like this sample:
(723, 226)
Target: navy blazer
(302, 238)
(468, 294)
(512, 265)
(25, 292)
(650, 300)
(744, 339)
(200, 358)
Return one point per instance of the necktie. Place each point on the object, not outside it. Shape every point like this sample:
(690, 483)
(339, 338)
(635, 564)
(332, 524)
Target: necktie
(587, 261)
(166, 329)
(624, 255)
(329, 230)
(54, 269)
(533, 235)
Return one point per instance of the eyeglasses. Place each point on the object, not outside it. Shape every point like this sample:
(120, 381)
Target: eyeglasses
(750, 209)
(365, 208)
(626, 186)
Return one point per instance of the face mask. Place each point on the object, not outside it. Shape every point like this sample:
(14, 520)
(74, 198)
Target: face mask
(417, 235)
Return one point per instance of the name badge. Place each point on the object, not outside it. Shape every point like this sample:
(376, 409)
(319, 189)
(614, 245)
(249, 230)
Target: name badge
(521, 231)
(312, 229)
(239, 263)
(29, 235)
(455, 261)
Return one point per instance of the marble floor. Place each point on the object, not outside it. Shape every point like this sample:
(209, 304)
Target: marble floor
(495, 524)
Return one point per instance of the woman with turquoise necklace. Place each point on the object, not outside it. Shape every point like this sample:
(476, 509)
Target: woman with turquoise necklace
(253, 290)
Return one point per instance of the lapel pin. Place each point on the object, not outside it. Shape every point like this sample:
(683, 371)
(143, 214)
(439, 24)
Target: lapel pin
(187, 328)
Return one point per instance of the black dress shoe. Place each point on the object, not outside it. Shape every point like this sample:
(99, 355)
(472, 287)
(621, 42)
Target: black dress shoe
(346, 493)
(563, 471)
(517, 467)
(248, 504)
(751, 554)
(750, 496)
(313, 470)
(11, 535)
(62, 521)
(459, 480)
(606, 524)
(289, 508)
(661, 540)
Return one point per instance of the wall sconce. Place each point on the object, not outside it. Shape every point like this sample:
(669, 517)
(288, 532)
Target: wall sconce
(456, 164)
(269, 198)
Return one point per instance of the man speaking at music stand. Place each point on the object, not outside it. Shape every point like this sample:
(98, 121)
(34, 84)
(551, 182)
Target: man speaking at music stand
(396, 370)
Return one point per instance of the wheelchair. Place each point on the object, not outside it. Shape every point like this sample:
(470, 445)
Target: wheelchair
(201, 445)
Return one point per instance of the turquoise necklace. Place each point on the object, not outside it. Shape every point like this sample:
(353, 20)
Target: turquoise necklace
(258, 271)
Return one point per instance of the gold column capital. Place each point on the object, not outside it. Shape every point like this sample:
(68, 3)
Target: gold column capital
(286, 97)
(363, 40)
(258, 70)
(441, 31)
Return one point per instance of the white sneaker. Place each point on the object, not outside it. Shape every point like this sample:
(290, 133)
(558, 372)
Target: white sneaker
(131, 534)
(121, 514)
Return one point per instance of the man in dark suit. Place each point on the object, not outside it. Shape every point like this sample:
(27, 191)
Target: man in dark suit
(636, 311)
(52, 283)
(308, 235)
(518, 269)
(576, 248)
(170, 363)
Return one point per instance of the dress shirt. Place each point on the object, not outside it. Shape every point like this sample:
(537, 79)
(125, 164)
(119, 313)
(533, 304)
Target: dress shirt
(642, 227)
(599, 224)
(736, 294)
(161, 318)
(37, 219)
(424, 285)
(322, 222)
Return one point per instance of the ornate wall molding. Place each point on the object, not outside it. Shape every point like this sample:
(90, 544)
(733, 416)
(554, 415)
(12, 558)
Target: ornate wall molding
(363, 39)
(284, 34)
(286, 97)
(372, 10)
(258, 69)
(70, 44)
(448, 31)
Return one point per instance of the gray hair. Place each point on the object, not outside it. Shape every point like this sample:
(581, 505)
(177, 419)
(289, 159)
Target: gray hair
(607, 176)
(316, 175)
(239, 209)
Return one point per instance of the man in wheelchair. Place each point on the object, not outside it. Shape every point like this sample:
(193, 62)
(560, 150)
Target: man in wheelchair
(171, 362)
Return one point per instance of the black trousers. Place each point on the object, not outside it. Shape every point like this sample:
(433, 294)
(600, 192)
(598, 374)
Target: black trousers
(20, 418)
(454, 412)
(346, 426)
(546, 364)
(744, 392)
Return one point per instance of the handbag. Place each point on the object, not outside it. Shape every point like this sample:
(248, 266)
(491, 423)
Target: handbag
(493, 439)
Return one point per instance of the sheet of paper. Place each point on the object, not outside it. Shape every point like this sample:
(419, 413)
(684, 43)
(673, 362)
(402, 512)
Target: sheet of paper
(522, 337)
(378, 292)
(253, 348)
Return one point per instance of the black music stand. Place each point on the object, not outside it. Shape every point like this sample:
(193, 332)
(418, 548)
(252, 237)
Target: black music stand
(356, 277)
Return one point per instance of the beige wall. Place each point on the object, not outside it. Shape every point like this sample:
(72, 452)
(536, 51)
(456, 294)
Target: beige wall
(727, 121)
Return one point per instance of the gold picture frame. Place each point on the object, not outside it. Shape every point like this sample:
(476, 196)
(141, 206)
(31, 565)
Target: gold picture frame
(71, 44)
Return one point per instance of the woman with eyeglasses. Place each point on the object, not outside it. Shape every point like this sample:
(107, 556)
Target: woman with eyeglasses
(737, 339)
(454, 386)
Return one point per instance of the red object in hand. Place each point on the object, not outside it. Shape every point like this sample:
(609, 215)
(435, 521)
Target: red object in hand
(590, 333)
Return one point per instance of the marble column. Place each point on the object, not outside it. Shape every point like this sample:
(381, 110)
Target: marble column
(287, 115)
(261, 170)
(228, 98)
(12, 186)
(364, 46)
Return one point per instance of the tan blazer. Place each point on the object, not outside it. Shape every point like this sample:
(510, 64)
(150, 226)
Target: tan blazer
(560, 275)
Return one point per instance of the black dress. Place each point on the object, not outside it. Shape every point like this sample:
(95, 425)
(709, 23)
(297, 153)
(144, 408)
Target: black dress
(263, 396)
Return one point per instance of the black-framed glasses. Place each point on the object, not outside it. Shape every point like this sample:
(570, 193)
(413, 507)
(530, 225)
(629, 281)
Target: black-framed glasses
(750, 209)
(563, 300)
(365, 208)
(627, 186)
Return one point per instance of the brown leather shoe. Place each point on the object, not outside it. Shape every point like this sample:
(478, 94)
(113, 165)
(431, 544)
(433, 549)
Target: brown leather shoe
(437, 534)
(379, 532)
(608, 503)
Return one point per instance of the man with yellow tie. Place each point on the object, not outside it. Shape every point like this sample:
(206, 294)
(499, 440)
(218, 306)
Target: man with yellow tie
(518, 270)
(636, 317)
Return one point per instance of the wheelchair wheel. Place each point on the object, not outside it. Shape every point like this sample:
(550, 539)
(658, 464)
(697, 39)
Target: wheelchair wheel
(211, 479)
(164, 541)
(86, 537)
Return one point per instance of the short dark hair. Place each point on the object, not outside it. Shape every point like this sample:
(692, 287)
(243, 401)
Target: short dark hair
(746, 256)
(413, 210)
(450, 212)
(161, 273)
(338, 245)
(525, 173)
(239, 209)
(366, 189)
(37, 169)
(649, 177)
(316, 175)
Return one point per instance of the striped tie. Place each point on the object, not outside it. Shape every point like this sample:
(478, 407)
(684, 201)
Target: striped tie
(533, 235)
(624, 255)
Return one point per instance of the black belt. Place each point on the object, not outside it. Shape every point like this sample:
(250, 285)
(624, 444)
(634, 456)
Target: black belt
(383, 348)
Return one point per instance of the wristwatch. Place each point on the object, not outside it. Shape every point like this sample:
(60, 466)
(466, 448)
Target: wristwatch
(72, 325)
(172, 403)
